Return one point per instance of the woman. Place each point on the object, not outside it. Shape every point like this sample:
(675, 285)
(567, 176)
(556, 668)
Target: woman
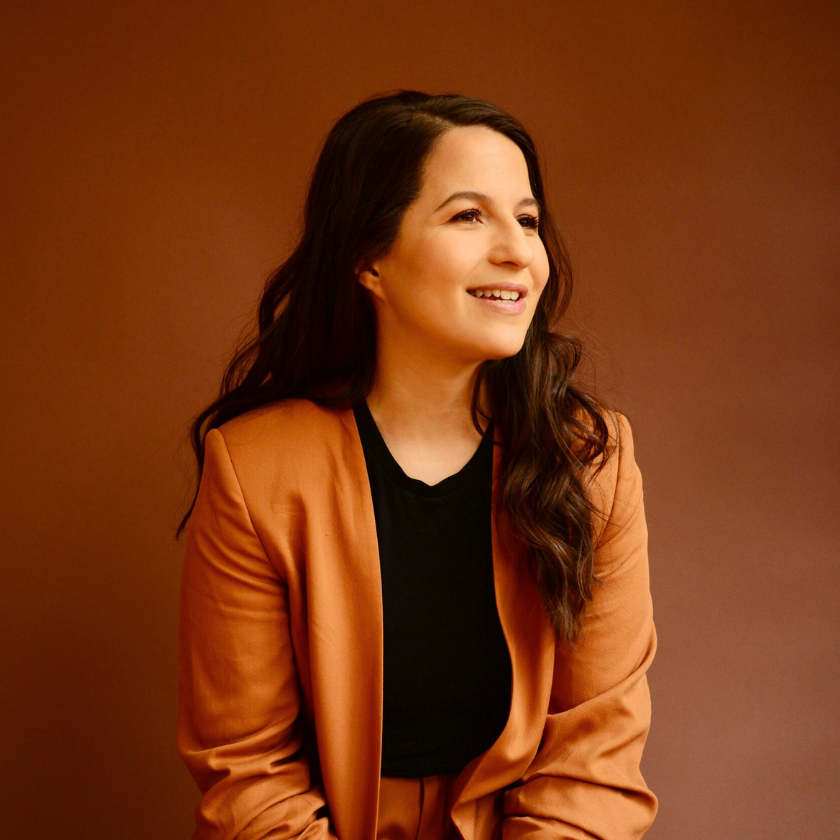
(415, 599)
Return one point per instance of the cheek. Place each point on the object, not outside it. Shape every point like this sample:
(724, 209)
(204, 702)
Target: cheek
(443, 260)
(539, 271)
(434, 264)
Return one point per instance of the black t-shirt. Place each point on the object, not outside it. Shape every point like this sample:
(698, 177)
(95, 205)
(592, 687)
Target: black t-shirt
(447, 670)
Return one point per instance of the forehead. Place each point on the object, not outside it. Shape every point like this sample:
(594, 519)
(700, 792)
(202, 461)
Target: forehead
(477, 158)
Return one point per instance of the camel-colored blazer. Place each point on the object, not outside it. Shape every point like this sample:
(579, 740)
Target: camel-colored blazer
(281, 651)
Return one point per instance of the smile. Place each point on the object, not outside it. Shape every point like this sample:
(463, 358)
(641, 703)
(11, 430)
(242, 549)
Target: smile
(502, 294)
(513, 304)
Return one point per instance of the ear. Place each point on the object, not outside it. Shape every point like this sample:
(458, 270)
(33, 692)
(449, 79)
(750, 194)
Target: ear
(370, 279)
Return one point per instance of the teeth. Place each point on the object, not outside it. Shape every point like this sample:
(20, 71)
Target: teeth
(496, 293)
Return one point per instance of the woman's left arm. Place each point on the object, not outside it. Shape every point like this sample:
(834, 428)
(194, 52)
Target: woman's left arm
(584, 781)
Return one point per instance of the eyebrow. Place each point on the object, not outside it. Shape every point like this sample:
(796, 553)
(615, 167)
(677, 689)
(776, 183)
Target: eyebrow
(480, 196)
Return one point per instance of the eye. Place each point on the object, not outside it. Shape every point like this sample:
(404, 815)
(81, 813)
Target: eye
(471, 211)
(531, 222)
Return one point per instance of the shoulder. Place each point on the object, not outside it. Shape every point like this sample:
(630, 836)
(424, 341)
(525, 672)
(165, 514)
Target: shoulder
(618, 435)
(289, 421)
(613, 480)
(281, 436)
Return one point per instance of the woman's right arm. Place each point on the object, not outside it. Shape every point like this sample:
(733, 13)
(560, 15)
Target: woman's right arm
(239, 702)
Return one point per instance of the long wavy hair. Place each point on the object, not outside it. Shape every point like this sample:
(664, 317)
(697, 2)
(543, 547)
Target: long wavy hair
(316, 335)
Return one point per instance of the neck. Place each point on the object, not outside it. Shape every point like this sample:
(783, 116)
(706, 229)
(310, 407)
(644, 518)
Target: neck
(420, 401)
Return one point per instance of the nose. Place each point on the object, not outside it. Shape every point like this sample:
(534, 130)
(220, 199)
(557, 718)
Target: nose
(512, 246)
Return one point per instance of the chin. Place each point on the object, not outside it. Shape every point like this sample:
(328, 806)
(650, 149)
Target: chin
(502, 351)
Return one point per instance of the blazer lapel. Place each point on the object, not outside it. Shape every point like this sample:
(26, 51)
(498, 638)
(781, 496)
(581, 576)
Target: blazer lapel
(344, 587)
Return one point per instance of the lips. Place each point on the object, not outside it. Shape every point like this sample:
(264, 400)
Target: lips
(509, 307)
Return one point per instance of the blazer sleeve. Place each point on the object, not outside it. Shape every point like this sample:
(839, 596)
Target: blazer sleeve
(584, 781)
(238, 730)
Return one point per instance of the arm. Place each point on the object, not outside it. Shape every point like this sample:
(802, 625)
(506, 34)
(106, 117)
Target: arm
(584, 781)
(238, 729)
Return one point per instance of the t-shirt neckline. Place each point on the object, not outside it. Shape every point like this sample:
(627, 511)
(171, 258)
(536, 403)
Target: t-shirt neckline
(385, 460)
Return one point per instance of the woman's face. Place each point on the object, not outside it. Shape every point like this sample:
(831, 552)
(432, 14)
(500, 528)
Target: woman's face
(449, 246)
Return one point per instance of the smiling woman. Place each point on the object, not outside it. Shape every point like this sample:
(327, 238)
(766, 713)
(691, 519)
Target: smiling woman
(415, 597)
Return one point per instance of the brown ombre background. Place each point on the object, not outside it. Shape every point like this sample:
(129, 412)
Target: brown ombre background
(154, 162)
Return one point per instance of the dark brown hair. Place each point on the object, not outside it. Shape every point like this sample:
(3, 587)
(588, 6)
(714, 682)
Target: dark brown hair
(316, 334)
